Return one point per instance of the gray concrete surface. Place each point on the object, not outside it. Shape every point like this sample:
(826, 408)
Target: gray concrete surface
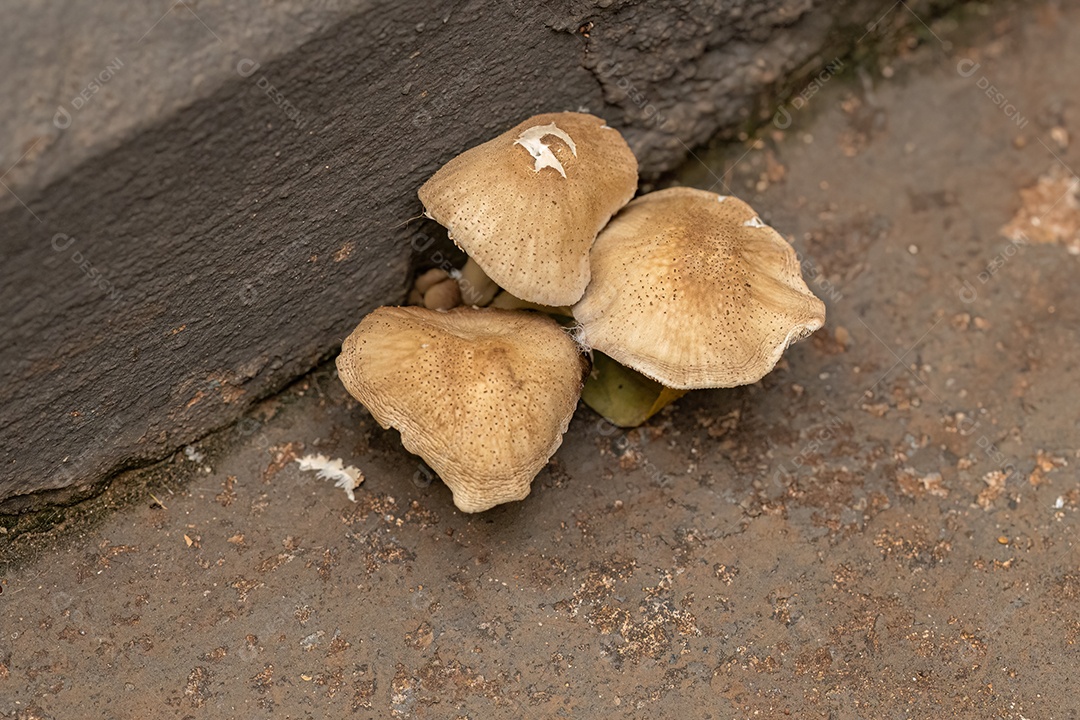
(228, 186)
(84, 77)
(884, 527)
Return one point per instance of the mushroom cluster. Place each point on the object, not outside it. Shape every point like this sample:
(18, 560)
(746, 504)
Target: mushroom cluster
(681, 289)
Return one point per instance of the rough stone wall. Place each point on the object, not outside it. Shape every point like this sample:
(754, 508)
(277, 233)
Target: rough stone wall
(184, 259)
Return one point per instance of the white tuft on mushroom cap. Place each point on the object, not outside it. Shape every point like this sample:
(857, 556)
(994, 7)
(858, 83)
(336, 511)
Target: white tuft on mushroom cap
(695, 293)
(483, 395)
(528, 204)
(532, 140)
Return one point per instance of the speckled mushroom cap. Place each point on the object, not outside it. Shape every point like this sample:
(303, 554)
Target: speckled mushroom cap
(691, 289)
(527, 205)
(483, 395)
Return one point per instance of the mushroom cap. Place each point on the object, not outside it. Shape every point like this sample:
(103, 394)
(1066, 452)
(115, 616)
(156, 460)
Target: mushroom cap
(443, 295)
(527, 205)
(483, 395)
(691, 289)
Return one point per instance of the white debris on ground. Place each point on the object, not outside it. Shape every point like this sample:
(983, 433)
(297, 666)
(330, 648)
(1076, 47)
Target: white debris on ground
(196, 456)
(346, 478)
(1049, 212)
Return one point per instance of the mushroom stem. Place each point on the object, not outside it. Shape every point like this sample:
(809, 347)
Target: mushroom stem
(622, 396)
(506, 301)
(476, 287)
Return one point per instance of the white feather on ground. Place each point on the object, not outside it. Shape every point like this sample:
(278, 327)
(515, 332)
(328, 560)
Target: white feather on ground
(346, 478)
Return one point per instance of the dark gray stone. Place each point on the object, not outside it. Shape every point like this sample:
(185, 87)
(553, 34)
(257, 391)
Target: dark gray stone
(208, 256)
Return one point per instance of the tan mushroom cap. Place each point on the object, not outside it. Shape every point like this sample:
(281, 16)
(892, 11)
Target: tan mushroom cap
(691, 289)
(527, 205)
(483, 395)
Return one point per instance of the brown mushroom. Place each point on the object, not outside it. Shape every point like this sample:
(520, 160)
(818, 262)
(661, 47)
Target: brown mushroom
(483, 395)
(428, 278)
(443, 295)
(506, 301)
(423, 283)
(476, 287)
(693, 290)
(527, 205)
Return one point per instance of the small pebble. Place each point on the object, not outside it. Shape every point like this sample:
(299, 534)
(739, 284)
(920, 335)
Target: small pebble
(1061, 136)
(842, 335)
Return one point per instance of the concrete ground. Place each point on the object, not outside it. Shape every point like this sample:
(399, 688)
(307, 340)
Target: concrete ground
(885, 527)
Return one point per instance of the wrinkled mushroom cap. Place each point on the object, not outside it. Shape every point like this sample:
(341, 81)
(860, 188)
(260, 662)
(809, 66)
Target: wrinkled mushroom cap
(527, 205)
(691, 289)
(483, 395)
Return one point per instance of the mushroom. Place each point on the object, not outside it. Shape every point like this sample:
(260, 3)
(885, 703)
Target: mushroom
(423, 283)
(443, 295)
(476, 287)
(483, 395)
(506, 301)
(693, 290)
(435, 289)
(429, 278)
(527, 205)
